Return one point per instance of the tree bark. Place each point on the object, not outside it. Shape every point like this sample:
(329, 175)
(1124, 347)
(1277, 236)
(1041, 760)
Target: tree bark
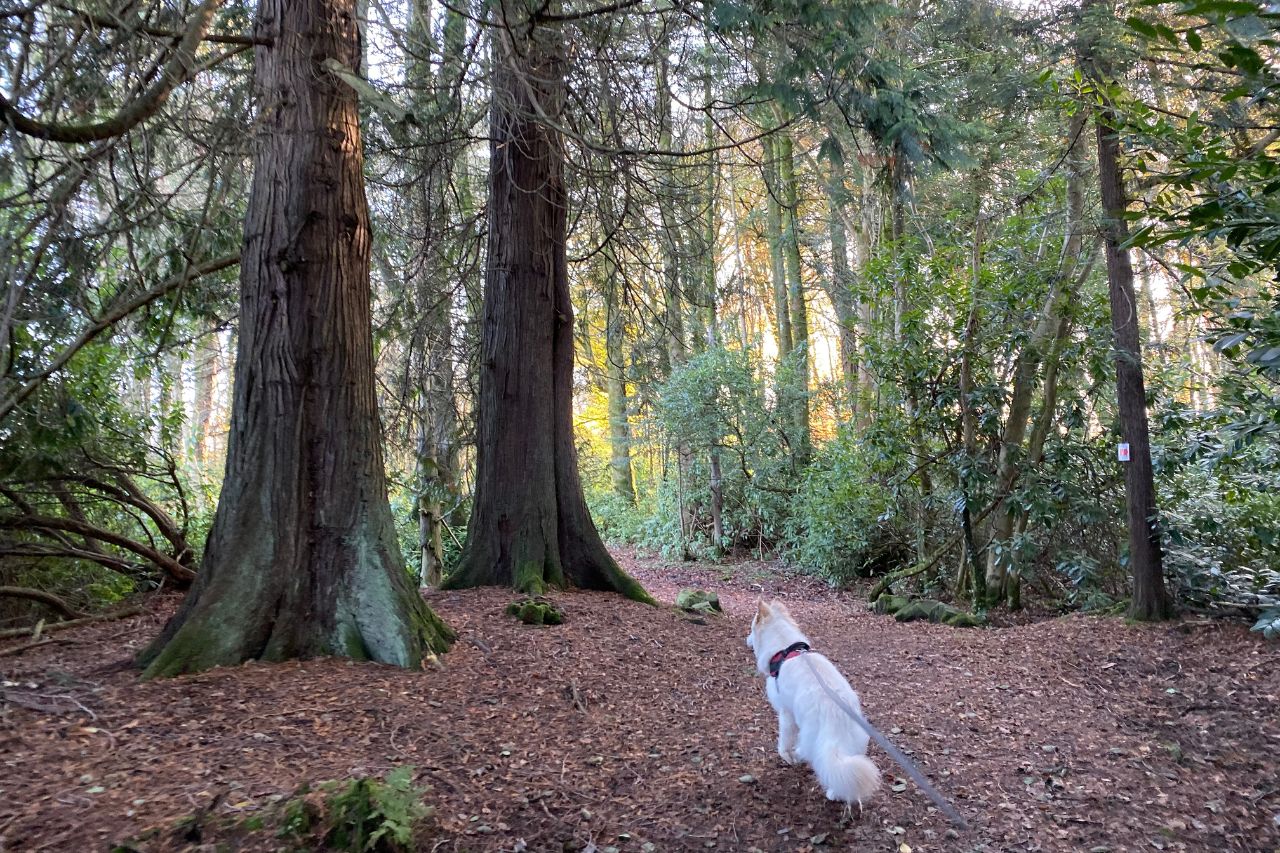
(1146, 559)
(773, 236)
(529, 527)
(302, 559)
(1150, 601)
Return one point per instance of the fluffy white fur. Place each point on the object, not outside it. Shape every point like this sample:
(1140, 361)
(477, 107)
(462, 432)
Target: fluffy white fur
(811, 726)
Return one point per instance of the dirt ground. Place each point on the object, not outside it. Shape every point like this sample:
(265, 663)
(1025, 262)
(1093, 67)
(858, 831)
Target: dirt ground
(646, 729)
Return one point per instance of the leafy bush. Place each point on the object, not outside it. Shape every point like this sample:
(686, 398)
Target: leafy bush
(1221, 518)
(845, 522)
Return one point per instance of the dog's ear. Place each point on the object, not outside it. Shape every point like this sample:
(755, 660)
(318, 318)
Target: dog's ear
(762, 610)
(780, 608)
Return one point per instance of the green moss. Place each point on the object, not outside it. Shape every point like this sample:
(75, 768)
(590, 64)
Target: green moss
(529, 577)
(535, 611)
(434, 633)
(353, 644)
(936, 611)
(200, 644)
(628, 586)
(890, 603)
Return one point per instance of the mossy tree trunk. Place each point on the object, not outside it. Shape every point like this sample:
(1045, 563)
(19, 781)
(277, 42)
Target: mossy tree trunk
(302, 559)
(529, 527)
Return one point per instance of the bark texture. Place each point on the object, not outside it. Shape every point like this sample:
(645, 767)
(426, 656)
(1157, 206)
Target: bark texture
(302, 559)
(529, 527)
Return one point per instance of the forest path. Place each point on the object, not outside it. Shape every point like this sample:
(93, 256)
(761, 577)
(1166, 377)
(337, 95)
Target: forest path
(1073, 734)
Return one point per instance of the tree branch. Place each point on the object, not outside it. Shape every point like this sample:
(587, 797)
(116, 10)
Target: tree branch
(168, 564)
(46, 598)
(178, 69)
(114, 23)
(113, 315)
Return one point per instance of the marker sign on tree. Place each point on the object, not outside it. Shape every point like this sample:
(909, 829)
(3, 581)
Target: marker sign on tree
(1122, 451)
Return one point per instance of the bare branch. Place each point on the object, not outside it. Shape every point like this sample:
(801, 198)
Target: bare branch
(46, 598)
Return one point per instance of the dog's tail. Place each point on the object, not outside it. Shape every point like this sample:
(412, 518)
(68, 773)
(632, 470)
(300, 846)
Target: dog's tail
(847, 778)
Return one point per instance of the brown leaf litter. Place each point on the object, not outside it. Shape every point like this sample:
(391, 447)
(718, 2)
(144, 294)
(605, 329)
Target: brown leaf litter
(643, 729)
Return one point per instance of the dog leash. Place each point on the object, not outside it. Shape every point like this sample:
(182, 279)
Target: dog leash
(896, 754)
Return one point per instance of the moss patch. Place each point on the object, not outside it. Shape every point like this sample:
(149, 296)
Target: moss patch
(535, 611)
(906, 609)
(699, 601)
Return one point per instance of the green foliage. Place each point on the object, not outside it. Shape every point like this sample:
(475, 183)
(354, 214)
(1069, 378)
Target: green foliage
(719, 402)
(1221, 512)
(844, 522)
(370, 815)
(82, 472)
(358, 815)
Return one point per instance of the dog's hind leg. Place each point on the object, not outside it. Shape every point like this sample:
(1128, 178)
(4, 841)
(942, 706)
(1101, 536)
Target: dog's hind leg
(788, 732)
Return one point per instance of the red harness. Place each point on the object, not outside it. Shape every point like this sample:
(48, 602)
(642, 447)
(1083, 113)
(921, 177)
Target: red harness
(792, 651)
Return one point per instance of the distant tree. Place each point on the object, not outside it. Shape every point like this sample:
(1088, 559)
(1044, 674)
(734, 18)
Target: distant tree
(302, 559)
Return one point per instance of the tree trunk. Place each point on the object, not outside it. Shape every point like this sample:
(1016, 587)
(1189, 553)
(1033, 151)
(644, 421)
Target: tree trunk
(302, 559)
(773, 236)
(431, 359)
(790, 201)
(207, 354)
(529, 526)
(620, 473)
(1145, 555)
(841, 286)
(673, 301)
(1150, 601)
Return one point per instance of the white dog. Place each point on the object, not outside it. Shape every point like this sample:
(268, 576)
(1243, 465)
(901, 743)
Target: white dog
(811, 726)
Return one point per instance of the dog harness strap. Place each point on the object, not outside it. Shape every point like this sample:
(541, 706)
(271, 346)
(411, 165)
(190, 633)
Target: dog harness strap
(791, 651)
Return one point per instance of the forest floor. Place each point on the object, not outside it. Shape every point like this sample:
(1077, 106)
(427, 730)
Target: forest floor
(641, 729)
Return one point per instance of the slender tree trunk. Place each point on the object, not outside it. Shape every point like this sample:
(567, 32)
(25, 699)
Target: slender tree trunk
(206, 371)
(303, 559)
(620, 473)
(1150, 601)
(672, 296)
(795, 294)
(1026, 371)
(841, 286)
(710, 240)
(773, 236)
(529, 527)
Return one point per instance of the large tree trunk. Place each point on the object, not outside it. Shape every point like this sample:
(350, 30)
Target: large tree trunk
(529, 527)
(1145, 555)
(303, 559)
